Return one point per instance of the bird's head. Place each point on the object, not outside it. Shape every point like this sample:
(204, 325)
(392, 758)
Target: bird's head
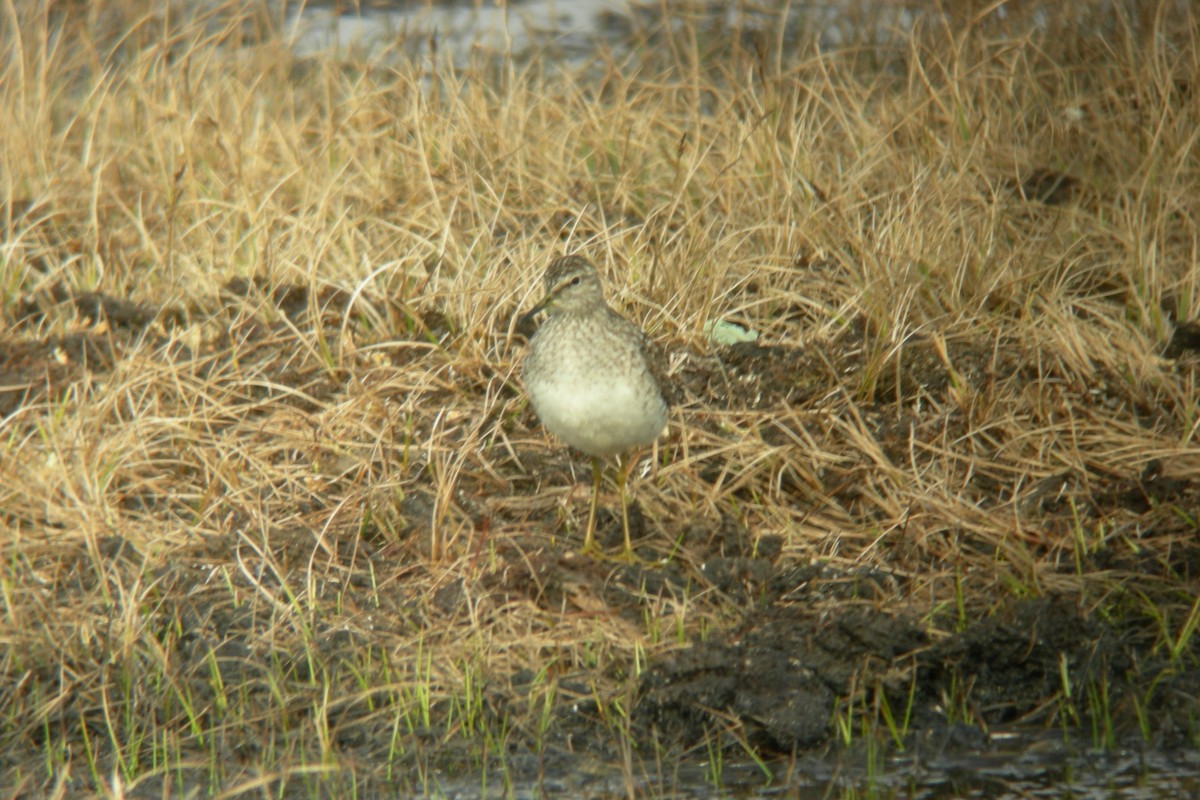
(572, 284)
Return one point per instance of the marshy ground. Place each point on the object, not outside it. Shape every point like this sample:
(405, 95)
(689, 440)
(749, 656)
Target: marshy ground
(276, 517)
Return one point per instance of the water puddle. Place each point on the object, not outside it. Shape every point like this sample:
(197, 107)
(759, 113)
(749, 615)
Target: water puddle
(1024, 767)
(571, 26)
(571, 29)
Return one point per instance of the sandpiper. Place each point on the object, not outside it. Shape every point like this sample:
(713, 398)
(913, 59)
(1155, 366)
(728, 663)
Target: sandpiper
(592, 377)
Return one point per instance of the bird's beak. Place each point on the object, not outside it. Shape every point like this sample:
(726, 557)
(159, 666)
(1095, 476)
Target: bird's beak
(527, 323)
(546, 302)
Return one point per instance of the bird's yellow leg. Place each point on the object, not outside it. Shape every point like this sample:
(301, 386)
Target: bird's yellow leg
(622, 479)
(589, 543)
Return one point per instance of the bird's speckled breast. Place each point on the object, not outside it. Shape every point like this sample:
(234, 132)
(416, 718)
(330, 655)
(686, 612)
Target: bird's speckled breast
(593, 390)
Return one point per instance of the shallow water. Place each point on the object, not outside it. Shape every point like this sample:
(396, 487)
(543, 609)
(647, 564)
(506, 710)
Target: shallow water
(571, 28)
(1020, 767)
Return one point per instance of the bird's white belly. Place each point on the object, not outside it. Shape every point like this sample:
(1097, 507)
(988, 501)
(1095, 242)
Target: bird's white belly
(598, 417)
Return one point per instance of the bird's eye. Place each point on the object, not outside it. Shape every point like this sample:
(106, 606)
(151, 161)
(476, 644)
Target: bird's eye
(576, 280)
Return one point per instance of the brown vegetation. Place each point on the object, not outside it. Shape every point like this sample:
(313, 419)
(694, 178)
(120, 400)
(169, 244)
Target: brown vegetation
(275, 512)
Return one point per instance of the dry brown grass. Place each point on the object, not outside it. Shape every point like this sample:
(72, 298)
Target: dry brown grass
(294, 514)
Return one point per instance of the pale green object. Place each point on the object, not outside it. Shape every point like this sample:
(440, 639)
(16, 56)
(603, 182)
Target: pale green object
(725, 333)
